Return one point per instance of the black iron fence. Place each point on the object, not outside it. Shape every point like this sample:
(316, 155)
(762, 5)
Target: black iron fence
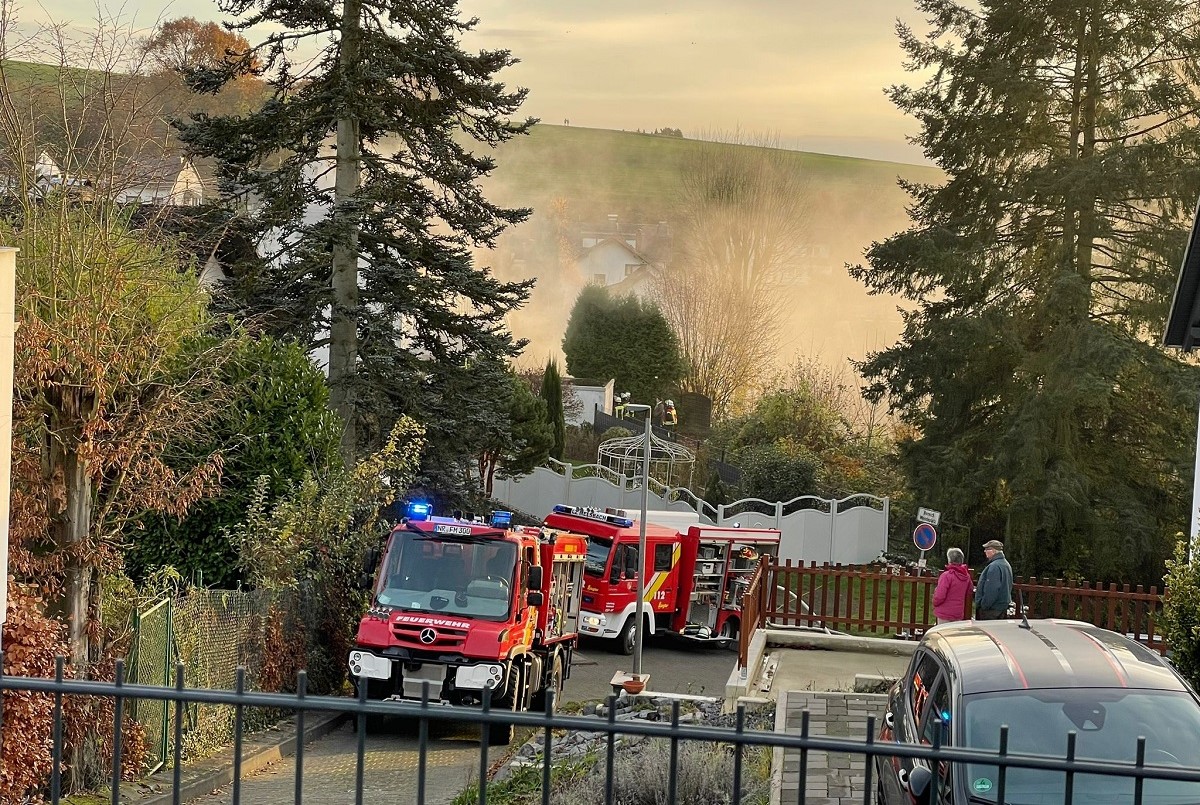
(738, 739)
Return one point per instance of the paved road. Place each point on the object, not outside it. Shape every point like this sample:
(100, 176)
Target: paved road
(673, 666)
(453, 759)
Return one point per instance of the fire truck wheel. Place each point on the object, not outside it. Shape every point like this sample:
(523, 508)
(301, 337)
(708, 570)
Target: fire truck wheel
(502, 734)
(729, 629)
(627, 640)
(554, 683)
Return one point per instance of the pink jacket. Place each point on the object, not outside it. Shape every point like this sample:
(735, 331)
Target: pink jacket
(953, 589)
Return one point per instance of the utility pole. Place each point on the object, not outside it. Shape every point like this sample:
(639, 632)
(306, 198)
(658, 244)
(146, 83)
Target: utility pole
(640, 621)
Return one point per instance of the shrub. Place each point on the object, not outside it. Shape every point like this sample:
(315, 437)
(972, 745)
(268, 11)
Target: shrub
(772, 473)
(704, 773)
(582, 445)
(315, 536)
(615, 433)
(1181, 611)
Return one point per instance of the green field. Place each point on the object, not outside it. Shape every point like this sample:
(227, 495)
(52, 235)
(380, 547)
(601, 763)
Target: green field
(599, 171)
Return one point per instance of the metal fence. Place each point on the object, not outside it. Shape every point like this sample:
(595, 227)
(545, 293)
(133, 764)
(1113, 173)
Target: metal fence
(212, 634)
(737, 739)
(152, 660)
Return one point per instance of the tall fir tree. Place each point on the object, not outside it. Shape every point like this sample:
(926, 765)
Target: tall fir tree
(552, 393)
(1041, 271)
(361, 179)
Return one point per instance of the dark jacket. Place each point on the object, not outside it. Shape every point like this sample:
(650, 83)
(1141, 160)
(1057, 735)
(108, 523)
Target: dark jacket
(950, 596)
(993, 592)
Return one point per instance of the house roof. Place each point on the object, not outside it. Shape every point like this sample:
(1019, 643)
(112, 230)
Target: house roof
(157, 172)
(623, 244)
(1183, 321)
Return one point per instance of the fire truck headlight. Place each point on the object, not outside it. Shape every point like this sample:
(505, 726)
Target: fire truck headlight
(595, 621)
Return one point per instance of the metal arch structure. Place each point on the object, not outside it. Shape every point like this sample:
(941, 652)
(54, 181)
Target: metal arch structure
(670, 462)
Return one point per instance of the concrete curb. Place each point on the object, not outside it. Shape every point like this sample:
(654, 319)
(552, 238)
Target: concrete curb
(259, 750)
(831, 642)
(777, 752)
(740, 681)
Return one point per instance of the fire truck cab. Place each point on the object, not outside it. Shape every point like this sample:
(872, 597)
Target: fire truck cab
(468, 606)
(695, 578)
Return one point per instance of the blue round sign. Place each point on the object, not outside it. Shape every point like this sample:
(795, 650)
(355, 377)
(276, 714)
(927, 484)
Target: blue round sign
(924, 536)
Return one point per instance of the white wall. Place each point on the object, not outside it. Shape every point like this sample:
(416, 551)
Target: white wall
(850, 531)
(591, 397)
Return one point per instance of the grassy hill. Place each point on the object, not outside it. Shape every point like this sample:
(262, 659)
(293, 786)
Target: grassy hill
(600, 171)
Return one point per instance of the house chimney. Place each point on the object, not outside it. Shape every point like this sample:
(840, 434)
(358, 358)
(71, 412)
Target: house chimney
(612, 221)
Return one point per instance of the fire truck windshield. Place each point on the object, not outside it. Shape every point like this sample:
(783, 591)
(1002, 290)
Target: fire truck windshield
(597, 555)
(472, 577)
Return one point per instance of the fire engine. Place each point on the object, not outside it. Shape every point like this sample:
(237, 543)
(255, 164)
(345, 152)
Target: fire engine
(468, 606)
(695, 578)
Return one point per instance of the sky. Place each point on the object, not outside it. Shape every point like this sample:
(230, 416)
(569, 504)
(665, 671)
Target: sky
(810, 73)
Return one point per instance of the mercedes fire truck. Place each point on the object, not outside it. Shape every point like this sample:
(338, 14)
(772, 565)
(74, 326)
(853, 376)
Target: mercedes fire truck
(695, 578)
(468, 606)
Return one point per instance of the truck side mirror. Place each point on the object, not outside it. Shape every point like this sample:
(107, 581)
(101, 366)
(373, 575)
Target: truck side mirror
(534, 598)
(364, 581)
(535, 579)
(370, 560)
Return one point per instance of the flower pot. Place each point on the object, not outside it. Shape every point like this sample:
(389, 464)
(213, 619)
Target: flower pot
(633, 686)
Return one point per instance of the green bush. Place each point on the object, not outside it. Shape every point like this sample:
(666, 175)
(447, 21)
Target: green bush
(1181, 612)
(277, 427)
(615, 433)
(772, 473)
(316, 535)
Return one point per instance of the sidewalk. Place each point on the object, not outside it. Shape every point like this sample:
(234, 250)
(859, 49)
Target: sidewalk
(259, 750)
(833, 778)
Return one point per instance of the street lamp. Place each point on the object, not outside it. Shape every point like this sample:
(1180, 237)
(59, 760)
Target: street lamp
(639, 618)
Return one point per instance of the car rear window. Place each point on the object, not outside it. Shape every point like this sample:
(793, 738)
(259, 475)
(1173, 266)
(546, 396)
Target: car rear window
(1107, 724)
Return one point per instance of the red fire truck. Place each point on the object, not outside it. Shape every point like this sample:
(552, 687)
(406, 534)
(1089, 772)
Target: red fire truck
(694, 578)
(469, 606)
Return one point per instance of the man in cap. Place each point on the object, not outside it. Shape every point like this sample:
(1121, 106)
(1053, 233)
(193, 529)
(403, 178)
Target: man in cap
(993, 592)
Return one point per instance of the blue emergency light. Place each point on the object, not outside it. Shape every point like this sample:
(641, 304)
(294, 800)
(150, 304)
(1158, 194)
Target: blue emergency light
(418, 511)
(501, 519)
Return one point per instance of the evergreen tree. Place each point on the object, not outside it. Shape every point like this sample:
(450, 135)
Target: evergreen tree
(361, 181)
(1041, 272)
(622, 338)
(552, 393)
(519, 437)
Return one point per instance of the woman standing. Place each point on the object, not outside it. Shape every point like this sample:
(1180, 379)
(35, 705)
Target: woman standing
(953, 589)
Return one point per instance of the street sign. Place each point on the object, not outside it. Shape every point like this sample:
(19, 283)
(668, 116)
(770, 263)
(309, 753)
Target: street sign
(924, 536)
(928, 516)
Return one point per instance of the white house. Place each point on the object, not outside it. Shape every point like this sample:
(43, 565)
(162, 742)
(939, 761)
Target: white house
(171, 181)
(610, 260)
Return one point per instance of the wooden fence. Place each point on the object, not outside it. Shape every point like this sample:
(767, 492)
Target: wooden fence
(753, 605)
(871, 600)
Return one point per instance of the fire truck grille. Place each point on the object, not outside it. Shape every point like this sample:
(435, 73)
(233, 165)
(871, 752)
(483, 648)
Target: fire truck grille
(427, 637)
